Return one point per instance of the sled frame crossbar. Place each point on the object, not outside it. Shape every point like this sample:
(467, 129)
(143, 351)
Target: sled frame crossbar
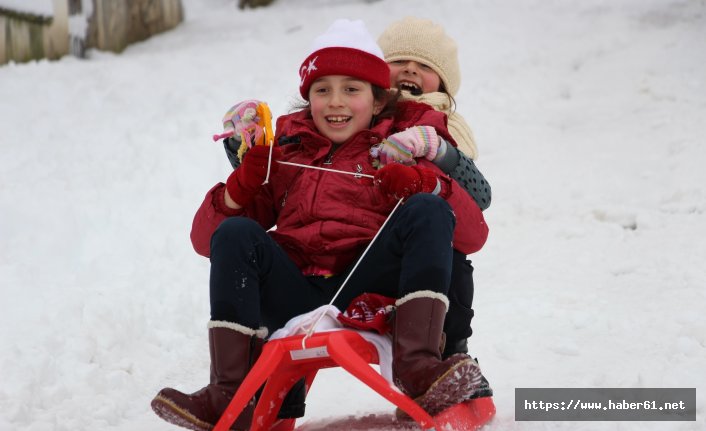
(283, 362)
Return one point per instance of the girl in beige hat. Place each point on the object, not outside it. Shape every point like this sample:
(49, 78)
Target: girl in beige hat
(424, 67)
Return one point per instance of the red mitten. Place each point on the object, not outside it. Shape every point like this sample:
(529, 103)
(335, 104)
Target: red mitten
(368, 312)
(244, 183)
(402, 181)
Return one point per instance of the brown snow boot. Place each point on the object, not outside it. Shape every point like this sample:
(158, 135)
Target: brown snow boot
(234, 349)
(417, 367)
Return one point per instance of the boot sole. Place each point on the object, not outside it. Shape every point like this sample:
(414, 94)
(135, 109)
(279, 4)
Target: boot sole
(170, 412)
(453, 387)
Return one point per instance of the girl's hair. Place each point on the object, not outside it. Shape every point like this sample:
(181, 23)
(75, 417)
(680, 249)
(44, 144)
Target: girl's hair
(389, 109)
(452, 101)
(379, 94)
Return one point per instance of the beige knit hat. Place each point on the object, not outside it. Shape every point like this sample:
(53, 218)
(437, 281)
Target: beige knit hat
(423, 41)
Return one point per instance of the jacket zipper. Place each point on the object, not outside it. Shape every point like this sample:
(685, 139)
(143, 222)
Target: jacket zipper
(358, 170)
(329, 158)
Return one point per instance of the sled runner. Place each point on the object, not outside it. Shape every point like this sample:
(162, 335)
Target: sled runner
(285, 361)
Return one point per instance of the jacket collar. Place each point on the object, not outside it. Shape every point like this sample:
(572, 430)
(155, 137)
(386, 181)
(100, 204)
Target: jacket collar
(301, 124)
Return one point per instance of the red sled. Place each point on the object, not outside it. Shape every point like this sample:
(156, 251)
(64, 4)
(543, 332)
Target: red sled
(285, 361)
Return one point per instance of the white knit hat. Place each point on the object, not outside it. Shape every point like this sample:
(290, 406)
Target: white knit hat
(423, 41)
(346, 48)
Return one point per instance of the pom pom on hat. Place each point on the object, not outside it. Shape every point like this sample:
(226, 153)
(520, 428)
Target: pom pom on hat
(423, 41)
(346, 48)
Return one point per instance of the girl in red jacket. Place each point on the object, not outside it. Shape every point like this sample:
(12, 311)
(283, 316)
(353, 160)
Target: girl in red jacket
(261, 277)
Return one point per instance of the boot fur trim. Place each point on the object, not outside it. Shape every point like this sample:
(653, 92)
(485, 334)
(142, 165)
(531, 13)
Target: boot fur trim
(423, 294)
(259, 333)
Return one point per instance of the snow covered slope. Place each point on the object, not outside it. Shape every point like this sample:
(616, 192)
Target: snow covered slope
(590, 122)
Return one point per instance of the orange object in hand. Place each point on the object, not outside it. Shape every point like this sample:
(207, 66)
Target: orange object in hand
(251, 121)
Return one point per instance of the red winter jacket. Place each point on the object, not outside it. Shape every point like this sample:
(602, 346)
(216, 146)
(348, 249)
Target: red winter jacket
(324, 220)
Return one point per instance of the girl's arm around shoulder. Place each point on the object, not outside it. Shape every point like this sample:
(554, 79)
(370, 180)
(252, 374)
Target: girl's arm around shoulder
(471, 230)
(463, 169)
(420, 114)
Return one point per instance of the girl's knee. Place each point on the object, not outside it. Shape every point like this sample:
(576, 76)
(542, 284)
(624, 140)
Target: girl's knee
(427, 205)
(237, 225)
(235, 229)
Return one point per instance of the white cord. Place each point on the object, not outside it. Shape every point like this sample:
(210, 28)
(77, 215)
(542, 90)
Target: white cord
(269, 164)
(355, 174)
(310, 331)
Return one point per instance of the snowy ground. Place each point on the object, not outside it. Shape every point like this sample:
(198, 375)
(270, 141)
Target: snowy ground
(590, 122)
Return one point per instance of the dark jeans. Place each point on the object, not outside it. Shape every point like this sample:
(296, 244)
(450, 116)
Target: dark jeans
(457, 325)
(254, 283)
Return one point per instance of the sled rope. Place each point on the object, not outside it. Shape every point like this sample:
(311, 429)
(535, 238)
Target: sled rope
(310, 331)
(269, 163)
(355, 174)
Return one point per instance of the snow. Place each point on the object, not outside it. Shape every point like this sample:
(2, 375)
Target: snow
(78, 23)
(590, 122)
(34, 7)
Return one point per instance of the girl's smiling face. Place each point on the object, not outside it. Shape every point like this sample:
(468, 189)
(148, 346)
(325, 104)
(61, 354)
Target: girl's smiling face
(417, 78)
(342, 106)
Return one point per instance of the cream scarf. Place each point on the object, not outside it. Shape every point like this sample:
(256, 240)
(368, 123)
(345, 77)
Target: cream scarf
(458, 128)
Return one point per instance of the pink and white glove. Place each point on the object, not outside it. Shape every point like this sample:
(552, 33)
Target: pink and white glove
(403, 147)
